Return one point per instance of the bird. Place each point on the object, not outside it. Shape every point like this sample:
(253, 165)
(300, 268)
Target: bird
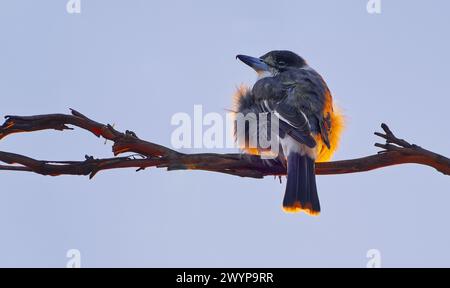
(309, 123)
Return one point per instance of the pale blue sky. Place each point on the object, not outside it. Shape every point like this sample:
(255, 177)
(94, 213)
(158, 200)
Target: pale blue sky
(136, 63)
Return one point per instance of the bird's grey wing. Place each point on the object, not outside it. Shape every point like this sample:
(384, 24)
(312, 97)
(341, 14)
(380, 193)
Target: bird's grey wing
(309, 92)
(294, 123)
(273, 93)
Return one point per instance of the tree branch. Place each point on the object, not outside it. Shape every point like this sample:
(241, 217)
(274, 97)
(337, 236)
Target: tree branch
(395, 151)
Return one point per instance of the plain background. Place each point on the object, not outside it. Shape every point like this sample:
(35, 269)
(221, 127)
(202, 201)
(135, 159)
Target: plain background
(136, 63)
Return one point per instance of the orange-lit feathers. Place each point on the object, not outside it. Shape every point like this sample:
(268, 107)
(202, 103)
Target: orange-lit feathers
(334, 133)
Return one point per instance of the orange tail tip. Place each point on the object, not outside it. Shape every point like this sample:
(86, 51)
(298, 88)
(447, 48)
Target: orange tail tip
(298, 207)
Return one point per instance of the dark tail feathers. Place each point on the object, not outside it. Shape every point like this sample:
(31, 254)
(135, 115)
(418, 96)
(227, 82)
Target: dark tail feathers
(301, 190)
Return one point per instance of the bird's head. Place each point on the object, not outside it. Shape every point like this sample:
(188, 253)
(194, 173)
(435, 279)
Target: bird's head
(274, 62)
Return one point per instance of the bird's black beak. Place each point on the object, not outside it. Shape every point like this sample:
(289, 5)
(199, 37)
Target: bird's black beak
(257, 64)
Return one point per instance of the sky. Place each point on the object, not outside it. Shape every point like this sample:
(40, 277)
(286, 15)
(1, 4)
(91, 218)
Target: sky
(137, 63)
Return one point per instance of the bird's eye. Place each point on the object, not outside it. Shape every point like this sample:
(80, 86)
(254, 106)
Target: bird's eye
(281, 63)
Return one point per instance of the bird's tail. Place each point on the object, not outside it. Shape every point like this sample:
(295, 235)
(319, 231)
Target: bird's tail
(301, 190)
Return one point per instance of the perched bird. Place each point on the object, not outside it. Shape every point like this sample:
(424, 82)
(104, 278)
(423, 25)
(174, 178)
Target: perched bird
(309, 124)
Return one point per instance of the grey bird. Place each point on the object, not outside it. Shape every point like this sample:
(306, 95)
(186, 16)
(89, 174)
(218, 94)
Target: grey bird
(309, 125)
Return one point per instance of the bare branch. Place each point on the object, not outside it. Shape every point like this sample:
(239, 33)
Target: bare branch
(395, 151)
